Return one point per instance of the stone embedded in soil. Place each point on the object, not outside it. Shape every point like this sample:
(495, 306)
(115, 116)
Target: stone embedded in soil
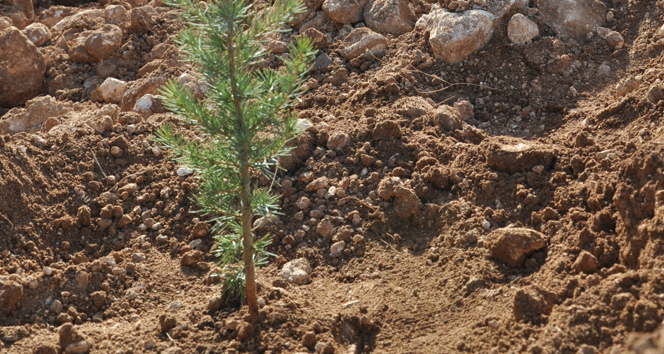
(390, 16)
(97, 45)
(572, 18)
(72, 341)
(117, 15)
(11, 293)
(337, 141)
(386, 130)
(587, 349)
(627, 86)
(364, 40)
(24, 6)
(23, 68)
(80, 347)
(37, 33)
(521, 30)
(586, 262)
(447, 117)
(337, 247)
(309, 339)
(36, 112)
(191, 258)
(276, 47)
(513, 155)
(318, 183)
(530, 304)
(245, 331)
(112, 90)
(143, 18)
(200, 230)
(655, 94)
(344, 11)
(406, 203)
(412, 107)
(166, 323)
(296, 271)
(511, 245)
(325, 228)
(453, 37)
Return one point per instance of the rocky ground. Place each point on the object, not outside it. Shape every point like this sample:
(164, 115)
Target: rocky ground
(478, 176)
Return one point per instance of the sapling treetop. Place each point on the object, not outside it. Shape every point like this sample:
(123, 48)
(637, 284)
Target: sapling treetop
(243, 124)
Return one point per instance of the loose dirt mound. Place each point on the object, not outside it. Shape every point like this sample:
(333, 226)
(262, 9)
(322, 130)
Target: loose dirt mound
(509, 202)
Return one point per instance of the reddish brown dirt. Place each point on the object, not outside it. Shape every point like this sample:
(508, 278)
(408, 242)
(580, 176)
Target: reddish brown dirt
(425, 285)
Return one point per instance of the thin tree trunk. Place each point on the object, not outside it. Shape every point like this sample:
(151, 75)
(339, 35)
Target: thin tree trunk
(248, 239)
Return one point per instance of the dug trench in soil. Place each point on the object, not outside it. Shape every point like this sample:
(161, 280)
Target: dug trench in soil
(510, 202)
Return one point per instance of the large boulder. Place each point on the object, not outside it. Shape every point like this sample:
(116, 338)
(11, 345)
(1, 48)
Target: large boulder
(23, 68)
(453, 36)
(572, 18)
(390, 16)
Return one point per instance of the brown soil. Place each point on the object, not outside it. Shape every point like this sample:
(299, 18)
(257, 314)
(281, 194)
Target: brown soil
(423, 280)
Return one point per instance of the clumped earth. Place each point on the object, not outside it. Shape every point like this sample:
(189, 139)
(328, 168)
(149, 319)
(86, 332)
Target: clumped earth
(487, 188)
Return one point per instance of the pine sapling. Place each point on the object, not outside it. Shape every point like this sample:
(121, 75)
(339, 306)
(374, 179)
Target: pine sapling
(242, 125)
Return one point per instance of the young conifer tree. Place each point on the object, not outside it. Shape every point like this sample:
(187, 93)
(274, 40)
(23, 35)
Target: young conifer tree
(243, 124)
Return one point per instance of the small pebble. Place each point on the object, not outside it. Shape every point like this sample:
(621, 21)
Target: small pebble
(48, 271)
(337, 247)
(184, 171)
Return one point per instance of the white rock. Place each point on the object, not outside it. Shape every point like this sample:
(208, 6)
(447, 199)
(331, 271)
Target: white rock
(48, 271)
(337, 247)
(521, 30)
(296, 271)
(112, 90)
(144, 104)
(453, 37)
